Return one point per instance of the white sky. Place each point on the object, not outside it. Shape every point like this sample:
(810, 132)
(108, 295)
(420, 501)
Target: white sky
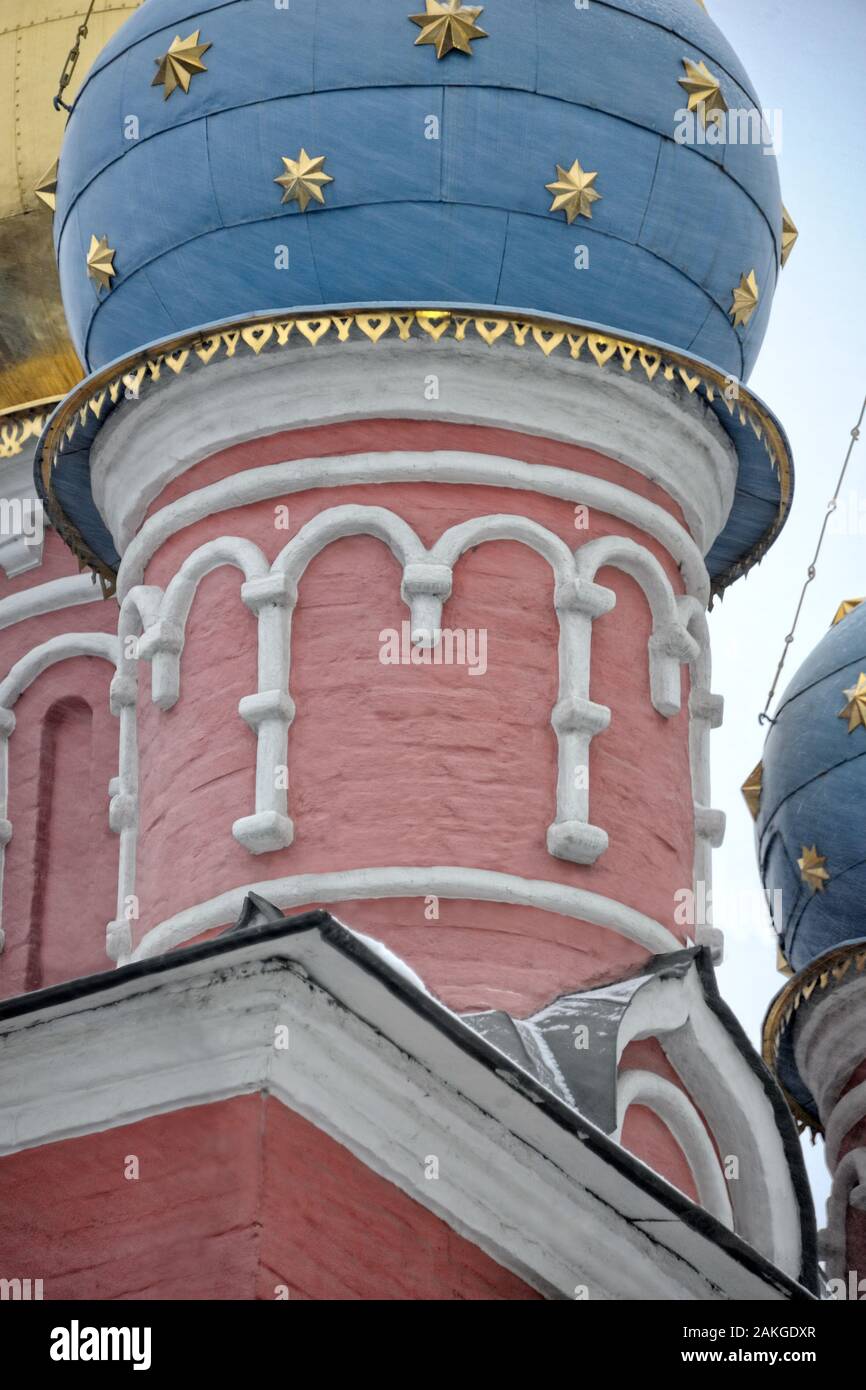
(805, 57)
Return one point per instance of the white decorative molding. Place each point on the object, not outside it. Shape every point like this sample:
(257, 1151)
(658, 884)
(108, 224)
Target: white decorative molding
(705, 714)
(21, 676)
(848, 1189)
(425, 586)
(438, 466)
(670, 644)
(389, 1085)
(48, 598)
(138, 610)
(660, 432)
(676, 1111)
(734, 1105)
(479, 885)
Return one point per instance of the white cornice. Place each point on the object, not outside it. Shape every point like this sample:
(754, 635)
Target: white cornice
(386, 1079)
(673, 440)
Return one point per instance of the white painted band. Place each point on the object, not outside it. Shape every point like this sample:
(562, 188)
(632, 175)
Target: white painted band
(658, 430)
(481, 885)
(438, 466)
(51, 597)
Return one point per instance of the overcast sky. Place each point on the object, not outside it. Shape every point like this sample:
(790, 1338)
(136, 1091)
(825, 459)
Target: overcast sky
(805, 58)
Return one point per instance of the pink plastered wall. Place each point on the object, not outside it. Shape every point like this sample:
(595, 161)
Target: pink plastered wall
(60, 878)
(413, 765)
(61, 863)
(240, 1199)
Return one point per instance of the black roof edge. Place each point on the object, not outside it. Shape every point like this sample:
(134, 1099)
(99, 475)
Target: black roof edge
(348, 944)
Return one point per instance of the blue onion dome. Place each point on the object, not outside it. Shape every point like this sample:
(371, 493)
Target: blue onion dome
(810, 797)
(230, 157)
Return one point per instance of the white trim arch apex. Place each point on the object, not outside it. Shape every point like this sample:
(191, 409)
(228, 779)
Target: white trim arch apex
(676, 1111)
(22, 675)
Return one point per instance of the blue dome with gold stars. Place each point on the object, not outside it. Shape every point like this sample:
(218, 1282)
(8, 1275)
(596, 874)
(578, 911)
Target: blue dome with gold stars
(230, 157)
(810, 796)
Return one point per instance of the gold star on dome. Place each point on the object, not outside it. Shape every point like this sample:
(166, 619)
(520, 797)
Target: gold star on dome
(855, 710)
(703, 90)
(745, 302)
(180, 64)
(100, 262)
(845, 607)
(789, 235)
(303, 179)
(46, 188)
(450, 25)
(573, 192)
(751, 789)
(812, 870)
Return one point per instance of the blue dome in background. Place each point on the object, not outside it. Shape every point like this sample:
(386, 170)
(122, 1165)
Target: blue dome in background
(813, 799)
(409, 218)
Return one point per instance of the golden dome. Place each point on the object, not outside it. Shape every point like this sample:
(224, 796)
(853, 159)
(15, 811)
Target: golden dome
(37, 360)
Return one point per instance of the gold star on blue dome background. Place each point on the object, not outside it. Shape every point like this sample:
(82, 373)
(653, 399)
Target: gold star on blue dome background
(449, 25)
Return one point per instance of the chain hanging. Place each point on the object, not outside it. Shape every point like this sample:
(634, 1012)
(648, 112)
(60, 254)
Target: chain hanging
(764, 717)
(71, 60)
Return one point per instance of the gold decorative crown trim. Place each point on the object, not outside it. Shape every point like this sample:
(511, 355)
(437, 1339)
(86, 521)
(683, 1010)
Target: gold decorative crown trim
(275, 331)
(824, 972)
(23, 422)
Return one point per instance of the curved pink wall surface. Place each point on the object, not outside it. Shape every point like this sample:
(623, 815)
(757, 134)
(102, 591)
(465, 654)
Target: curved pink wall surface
(60, 877)
(413, 765)
(61, 863)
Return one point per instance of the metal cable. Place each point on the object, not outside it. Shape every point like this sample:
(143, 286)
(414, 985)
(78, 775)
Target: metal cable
(764, 717)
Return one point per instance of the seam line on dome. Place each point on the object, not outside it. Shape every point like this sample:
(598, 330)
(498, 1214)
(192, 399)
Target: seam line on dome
(651, 191)
(674, 33)
(308, 228)
(641, 19)
(137, 7)
(276, 216)
(502, 257)
(158, 297)
(828, 675)
(216, 201)
(801, 787)
(740, 347)
(405, 86)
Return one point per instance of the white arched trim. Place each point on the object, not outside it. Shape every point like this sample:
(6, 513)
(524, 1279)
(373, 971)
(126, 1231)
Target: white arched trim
(654, 430)
(439, 466)
(140, 609)
(733, 1103)
(426, 584)
(670, 644)
(62, 648)
(705, 714)
(672, 1106)
(22, 675)
(479, 885)
(50, 597)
